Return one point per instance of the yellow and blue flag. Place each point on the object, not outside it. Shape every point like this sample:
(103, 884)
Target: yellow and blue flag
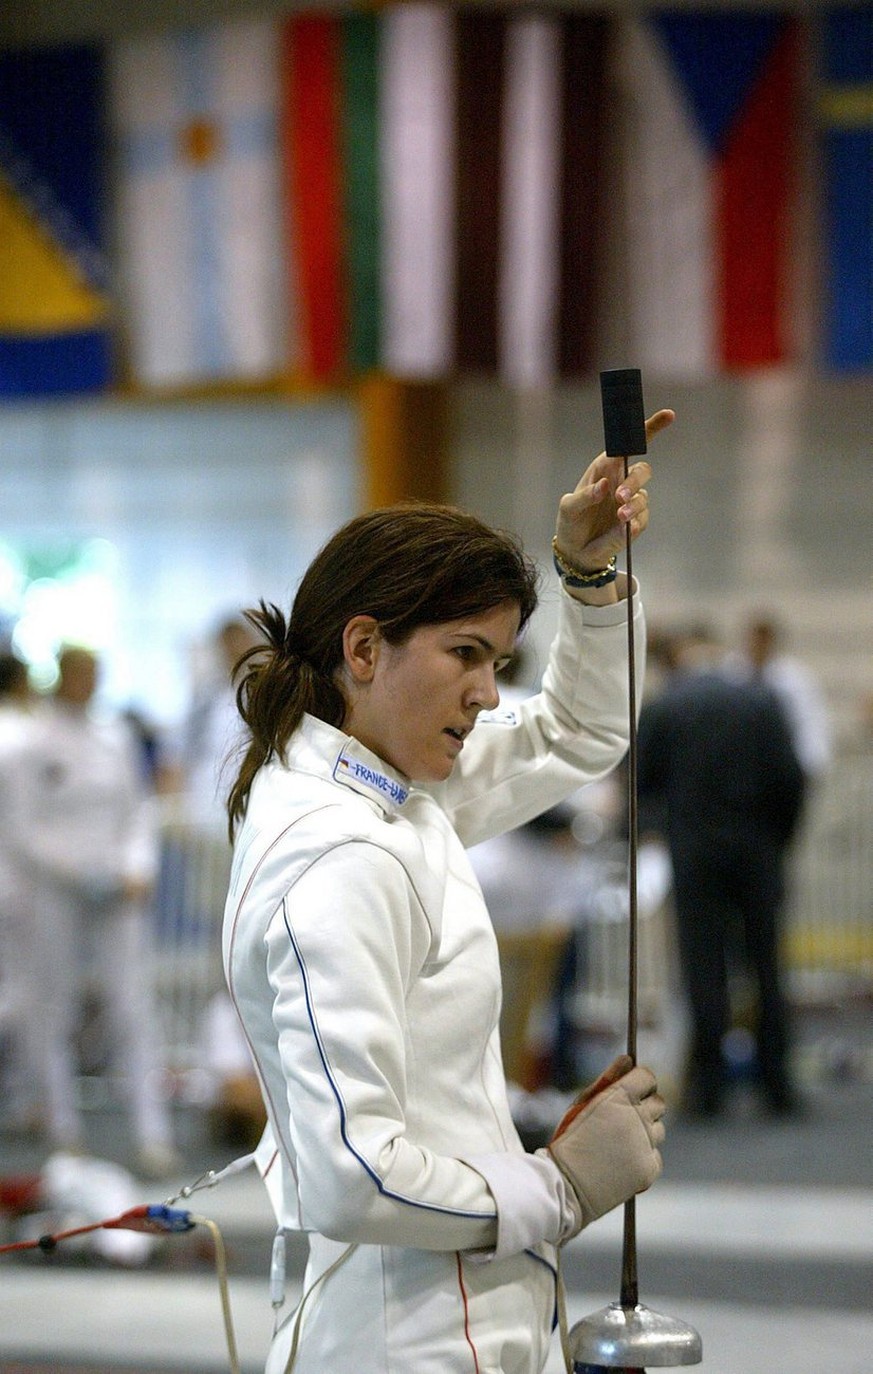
(54, 334)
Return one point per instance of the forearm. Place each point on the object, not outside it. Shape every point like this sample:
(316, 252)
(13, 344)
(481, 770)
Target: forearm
(570, 734)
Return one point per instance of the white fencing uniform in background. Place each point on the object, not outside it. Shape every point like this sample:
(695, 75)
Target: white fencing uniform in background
(362, 961)
(84, 824)
(19, 960)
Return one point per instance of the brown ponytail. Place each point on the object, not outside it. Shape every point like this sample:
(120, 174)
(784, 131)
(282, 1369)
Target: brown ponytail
(277, 687)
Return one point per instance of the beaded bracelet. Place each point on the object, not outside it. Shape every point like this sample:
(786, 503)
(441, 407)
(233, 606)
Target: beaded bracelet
(575, 577)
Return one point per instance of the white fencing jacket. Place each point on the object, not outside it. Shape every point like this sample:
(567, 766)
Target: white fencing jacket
(364, 967)
(82, 819)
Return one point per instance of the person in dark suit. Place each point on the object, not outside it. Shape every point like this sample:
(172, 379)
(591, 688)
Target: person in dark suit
(720, 780)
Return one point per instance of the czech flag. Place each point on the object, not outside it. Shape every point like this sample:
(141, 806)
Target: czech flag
(707, 104)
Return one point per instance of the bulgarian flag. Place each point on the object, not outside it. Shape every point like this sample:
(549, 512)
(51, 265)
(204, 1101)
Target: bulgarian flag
(708, 109)
(442, 178)
(846, 107)
(328, 113)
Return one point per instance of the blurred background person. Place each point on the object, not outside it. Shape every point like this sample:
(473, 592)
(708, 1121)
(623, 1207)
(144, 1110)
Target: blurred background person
(763, 655)
(720, 779)
(532, 884)
(534, 891)
(194, 758)
(18, 1078)
(83, 831)
(196, 869)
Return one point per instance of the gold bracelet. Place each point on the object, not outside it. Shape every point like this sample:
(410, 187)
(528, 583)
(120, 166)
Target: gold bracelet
(575, 577)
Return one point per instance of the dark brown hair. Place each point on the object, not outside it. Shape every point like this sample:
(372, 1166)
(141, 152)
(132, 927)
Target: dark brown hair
(407, 565)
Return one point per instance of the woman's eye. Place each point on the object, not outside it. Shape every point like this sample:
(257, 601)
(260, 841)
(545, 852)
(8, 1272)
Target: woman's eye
(465, 652)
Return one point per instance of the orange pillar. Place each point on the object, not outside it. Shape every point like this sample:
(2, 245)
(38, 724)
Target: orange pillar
(404, 440)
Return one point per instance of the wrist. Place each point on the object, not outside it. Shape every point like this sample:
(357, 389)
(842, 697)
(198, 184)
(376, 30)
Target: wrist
(610, 595)
(577, 578)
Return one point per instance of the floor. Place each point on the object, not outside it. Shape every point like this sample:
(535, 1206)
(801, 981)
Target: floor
(759, 1234)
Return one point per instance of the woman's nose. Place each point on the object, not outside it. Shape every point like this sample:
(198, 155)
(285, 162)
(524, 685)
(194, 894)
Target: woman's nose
(485, 693)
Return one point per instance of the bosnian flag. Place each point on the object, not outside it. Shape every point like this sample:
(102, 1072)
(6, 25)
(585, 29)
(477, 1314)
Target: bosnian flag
(200, 224)
(708, 112)
(54, 303)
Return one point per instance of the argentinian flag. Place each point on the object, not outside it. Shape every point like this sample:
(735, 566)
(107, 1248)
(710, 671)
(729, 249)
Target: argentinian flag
(199, 226)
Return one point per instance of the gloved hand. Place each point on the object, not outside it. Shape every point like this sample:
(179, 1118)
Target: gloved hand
(606, 1145)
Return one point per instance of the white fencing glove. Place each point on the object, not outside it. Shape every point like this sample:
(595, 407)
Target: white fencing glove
(606, 1145)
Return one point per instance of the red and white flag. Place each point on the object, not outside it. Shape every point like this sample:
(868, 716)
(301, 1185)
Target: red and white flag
(707, 113)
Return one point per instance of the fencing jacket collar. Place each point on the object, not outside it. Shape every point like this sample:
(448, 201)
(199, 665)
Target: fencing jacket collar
(354, 766)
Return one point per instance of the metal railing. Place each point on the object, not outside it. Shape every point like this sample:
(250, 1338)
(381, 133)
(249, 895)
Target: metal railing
(829, 929)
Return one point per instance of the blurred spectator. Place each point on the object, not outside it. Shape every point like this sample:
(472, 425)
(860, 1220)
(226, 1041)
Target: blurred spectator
(83, 832)
(197, 869)
(211, 729)
(530, 880)
(661, 652)
(543, 883)
(762, 655)
(147, 737)
(529, 875)
(17, 1023)
(719, 777)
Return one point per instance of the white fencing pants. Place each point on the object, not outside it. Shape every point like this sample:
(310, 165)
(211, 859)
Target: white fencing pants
(106, 947)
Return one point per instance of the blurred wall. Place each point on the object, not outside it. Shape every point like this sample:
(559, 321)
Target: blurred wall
(205, 508)
(759, 500)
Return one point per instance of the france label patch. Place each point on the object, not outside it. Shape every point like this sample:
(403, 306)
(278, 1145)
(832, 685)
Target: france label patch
(366, 778)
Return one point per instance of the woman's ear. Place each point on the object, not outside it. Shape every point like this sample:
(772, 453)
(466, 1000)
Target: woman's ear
(361, 640)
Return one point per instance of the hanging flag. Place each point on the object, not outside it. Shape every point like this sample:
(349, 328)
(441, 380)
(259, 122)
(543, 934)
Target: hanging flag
(529, 156)
(585, 214)
(514, 126)
(200, 234)
(312, 150)
(417, 171)
(441, 170)
(360, 59)
(331, 175)
(527, 351)
(54, 313)
(846, 107)
(480, 49)
(707, 101)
